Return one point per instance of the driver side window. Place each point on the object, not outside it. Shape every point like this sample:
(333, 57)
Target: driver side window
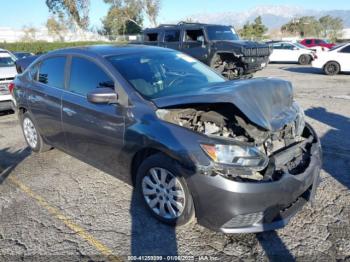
(194, 35)
(86, 76)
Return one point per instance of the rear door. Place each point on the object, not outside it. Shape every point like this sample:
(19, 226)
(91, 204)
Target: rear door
(291, 52)
(194, 43)
(93, 131)
(44, 97)
(344, 58)
(172, 38)
(278, 54)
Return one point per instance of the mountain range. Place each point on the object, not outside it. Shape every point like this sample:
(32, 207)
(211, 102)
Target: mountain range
(272, 16)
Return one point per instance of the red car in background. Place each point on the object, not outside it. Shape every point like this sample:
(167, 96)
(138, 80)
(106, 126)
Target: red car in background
(312, 42)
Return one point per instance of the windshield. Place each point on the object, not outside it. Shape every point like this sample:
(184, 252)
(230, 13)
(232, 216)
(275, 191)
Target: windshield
(300, 45)
(6, 61)
(161, 74)
(222, 33)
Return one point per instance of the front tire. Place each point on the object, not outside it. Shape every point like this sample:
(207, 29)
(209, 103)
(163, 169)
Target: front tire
(32, 136)
(331, 68)
(164, 191)
(304, 60)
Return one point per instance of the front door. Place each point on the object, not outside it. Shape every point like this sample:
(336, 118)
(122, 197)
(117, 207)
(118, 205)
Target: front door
(195, 45)
(93, 131)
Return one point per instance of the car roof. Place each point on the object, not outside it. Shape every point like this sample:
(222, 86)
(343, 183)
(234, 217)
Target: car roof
(180, 24)
(110, 50)
(4, 54)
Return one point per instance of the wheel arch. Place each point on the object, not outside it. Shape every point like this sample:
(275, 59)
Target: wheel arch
(139, 157)
(332, 61)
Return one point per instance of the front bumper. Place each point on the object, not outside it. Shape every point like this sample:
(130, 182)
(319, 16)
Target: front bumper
(241, 207)
(7, 105)
(253, 64)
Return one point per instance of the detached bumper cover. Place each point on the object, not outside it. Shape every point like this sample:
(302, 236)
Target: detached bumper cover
(237, 207)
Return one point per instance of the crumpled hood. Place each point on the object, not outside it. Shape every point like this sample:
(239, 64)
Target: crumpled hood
(267, 102)
(7, 72)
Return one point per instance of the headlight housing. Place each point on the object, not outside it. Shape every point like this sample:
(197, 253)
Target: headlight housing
(299, 120)
(235, 155)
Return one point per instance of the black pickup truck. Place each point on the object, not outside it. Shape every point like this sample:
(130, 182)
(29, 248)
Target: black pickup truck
(218, 46)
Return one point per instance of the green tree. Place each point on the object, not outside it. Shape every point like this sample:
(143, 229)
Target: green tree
(331, 27)
(123, 17)
(259, 28)
(253, 31)
(126, 16)
(326, 26)
(77, 11)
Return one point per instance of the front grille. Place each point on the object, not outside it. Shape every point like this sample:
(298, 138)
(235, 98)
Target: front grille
(4, 89)
(258, 51)
(244, 220)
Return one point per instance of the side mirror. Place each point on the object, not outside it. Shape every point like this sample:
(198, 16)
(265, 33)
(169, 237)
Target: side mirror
(103, 95)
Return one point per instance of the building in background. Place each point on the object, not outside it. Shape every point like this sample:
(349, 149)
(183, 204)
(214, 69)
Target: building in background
(10, 35)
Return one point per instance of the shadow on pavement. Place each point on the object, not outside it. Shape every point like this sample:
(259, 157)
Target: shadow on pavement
(303, 70)
(10, 159)
(335, 143)
(149, 236)
(274, 247)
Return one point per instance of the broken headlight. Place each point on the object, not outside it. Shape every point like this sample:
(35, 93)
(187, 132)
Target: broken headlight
(241, 156)
(299, 120)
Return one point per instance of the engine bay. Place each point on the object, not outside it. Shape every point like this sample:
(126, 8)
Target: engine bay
(287, 149)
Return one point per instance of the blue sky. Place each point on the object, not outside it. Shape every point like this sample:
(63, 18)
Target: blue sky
(18, 13)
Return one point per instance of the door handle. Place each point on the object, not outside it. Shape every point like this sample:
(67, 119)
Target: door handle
(68, 111)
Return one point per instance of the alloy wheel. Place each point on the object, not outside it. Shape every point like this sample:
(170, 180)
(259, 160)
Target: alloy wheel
(30, 132)
(163, 193)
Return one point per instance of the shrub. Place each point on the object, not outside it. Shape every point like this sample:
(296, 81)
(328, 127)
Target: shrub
(43, 47)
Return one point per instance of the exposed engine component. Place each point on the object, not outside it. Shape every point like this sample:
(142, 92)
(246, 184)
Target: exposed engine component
(286, 148)
(215, 121)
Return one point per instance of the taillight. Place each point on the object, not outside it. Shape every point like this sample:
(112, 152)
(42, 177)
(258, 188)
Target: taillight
(11, 86)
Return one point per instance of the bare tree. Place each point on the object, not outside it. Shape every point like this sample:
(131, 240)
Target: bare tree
(151, 9)
(57, 27)
(29, 34)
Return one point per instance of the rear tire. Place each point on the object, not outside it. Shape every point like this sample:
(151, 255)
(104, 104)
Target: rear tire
(31, 134)
(304, 60)
(331, 68)
(159, 183)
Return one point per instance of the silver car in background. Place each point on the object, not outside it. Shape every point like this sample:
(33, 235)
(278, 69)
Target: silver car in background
(7, 74)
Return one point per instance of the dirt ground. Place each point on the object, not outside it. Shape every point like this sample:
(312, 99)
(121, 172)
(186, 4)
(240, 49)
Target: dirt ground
(55, 208)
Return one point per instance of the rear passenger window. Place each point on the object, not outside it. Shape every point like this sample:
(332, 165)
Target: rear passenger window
(172, 36)
(277, 46)
(86, 76)
(151, 37)
(308, 42)
(51, 72)
(346, 49)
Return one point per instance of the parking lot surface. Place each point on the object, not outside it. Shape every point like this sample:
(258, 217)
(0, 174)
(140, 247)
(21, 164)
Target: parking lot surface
(54, 207)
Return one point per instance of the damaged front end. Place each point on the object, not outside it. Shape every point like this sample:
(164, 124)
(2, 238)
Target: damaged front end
(264, 159)
(241, 150)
